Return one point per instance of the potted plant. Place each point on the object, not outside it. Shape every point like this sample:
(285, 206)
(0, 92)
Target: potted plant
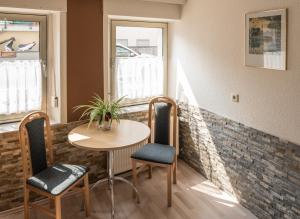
(104, 112)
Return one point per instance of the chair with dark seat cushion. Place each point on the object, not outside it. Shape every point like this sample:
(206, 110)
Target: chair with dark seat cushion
(160, 152)
(52, 181)
(57, 178)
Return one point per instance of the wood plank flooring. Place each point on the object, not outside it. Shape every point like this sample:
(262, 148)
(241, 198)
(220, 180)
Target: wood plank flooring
(193, 198)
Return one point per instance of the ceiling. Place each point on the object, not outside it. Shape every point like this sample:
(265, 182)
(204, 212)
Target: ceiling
(180, 2)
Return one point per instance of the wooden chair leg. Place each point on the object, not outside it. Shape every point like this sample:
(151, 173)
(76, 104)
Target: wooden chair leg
(57, 207)
(169, 185)
(86, 194)
(26, 203)
(51, 203)
(150, 171)
(134, 176)
(175, 171)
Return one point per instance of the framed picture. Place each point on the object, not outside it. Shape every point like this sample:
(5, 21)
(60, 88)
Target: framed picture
(266, 34)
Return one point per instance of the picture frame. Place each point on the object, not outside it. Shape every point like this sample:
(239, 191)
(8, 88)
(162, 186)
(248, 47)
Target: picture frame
(266, 39)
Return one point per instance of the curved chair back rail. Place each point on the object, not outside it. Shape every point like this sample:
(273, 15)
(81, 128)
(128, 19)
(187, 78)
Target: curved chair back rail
(162, 110)
(32, 132)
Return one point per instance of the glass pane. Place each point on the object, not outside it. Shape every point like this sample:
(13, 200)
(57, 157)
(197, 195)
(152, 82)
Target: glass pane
(123, 42)
(20, 67)
(139, 67)
(19, 40)
(142, 40)
(122, 51)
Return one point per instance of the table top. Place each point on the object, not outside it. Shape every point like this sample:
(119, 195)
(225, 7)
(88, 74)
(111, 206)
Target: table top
(124, 134)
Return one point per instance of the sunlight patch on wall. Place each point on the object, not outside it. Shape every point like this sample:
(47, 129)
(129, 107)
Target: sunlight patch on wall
(184, 91)
(212, 164)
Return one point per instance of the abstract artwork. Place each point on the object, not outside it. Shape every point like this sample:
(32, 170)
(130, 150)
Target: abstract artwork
(266, 39)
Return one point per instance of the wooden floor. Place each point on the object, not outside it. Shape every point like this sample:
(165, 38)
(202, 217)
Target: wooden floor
(193, 197)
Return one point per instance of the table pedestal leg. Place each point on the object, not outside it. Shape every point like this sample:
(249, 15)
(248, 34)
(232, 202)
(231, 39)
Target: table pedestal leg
(111, 178)
(132, 186)
(95, 185)
(111, 181)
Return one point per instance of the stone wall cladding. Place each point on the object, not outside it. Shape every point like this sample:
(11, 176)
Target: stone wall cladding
(11, 172)
(262, 170)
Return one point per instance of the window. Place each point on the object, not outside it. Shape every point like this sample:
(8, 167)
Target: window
(123, 42)
(22, 64)
(123, 51)
(139, 69)
(143, 42)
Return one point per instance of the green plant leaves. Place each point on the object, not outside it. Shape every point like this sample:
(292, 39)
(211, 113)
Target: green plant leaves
(99, 108)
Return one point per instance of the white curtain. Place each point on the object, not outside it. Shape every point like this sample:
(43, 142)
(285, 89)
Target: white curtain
(20, 86)
(139, 77)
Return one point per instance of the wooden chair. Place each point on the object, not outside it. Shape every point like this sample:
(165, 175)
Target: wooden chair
(159, 152)
(47, 179)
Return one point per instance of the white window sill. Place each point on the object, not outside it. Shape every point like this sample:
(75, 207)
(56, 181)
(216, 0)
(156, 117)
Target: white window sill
(135, 109)
(14, 126)
(9, 127)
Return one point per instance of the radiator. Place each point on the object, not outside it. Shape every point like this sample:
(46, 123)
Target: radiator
(122, 161)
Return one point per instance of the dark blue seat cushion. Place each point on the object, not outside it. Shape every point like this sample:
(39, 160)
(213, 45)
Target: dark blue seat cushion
(57, 178)
(158, 153)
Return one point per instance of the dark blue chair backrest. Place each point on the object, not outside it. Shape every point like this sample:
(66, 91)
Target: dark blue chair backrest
(37, 146)
(162, 123)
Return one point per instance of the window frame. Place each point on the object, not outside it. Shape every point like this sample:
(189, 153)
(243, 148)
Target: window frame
(42, 19)
(133, 23)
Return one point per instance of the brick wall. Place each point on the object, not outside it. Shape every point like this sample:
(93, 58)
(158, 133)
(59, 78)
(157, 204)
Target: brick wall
(262, 170)
(11, 173)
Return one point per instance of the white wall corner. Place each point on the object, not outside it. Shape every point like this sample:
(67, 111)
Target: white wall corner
(57, 75)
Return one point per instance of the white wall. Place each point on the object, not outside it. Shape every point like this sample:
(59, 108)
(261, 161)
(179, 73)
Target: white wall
(57, 67)
(132, 10)
(138, 8)
(51, 5)
(207, 65)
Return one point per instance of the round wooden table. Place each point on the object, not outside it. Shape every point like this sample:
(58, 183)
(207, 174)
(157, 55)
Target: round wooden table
(124, 134)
